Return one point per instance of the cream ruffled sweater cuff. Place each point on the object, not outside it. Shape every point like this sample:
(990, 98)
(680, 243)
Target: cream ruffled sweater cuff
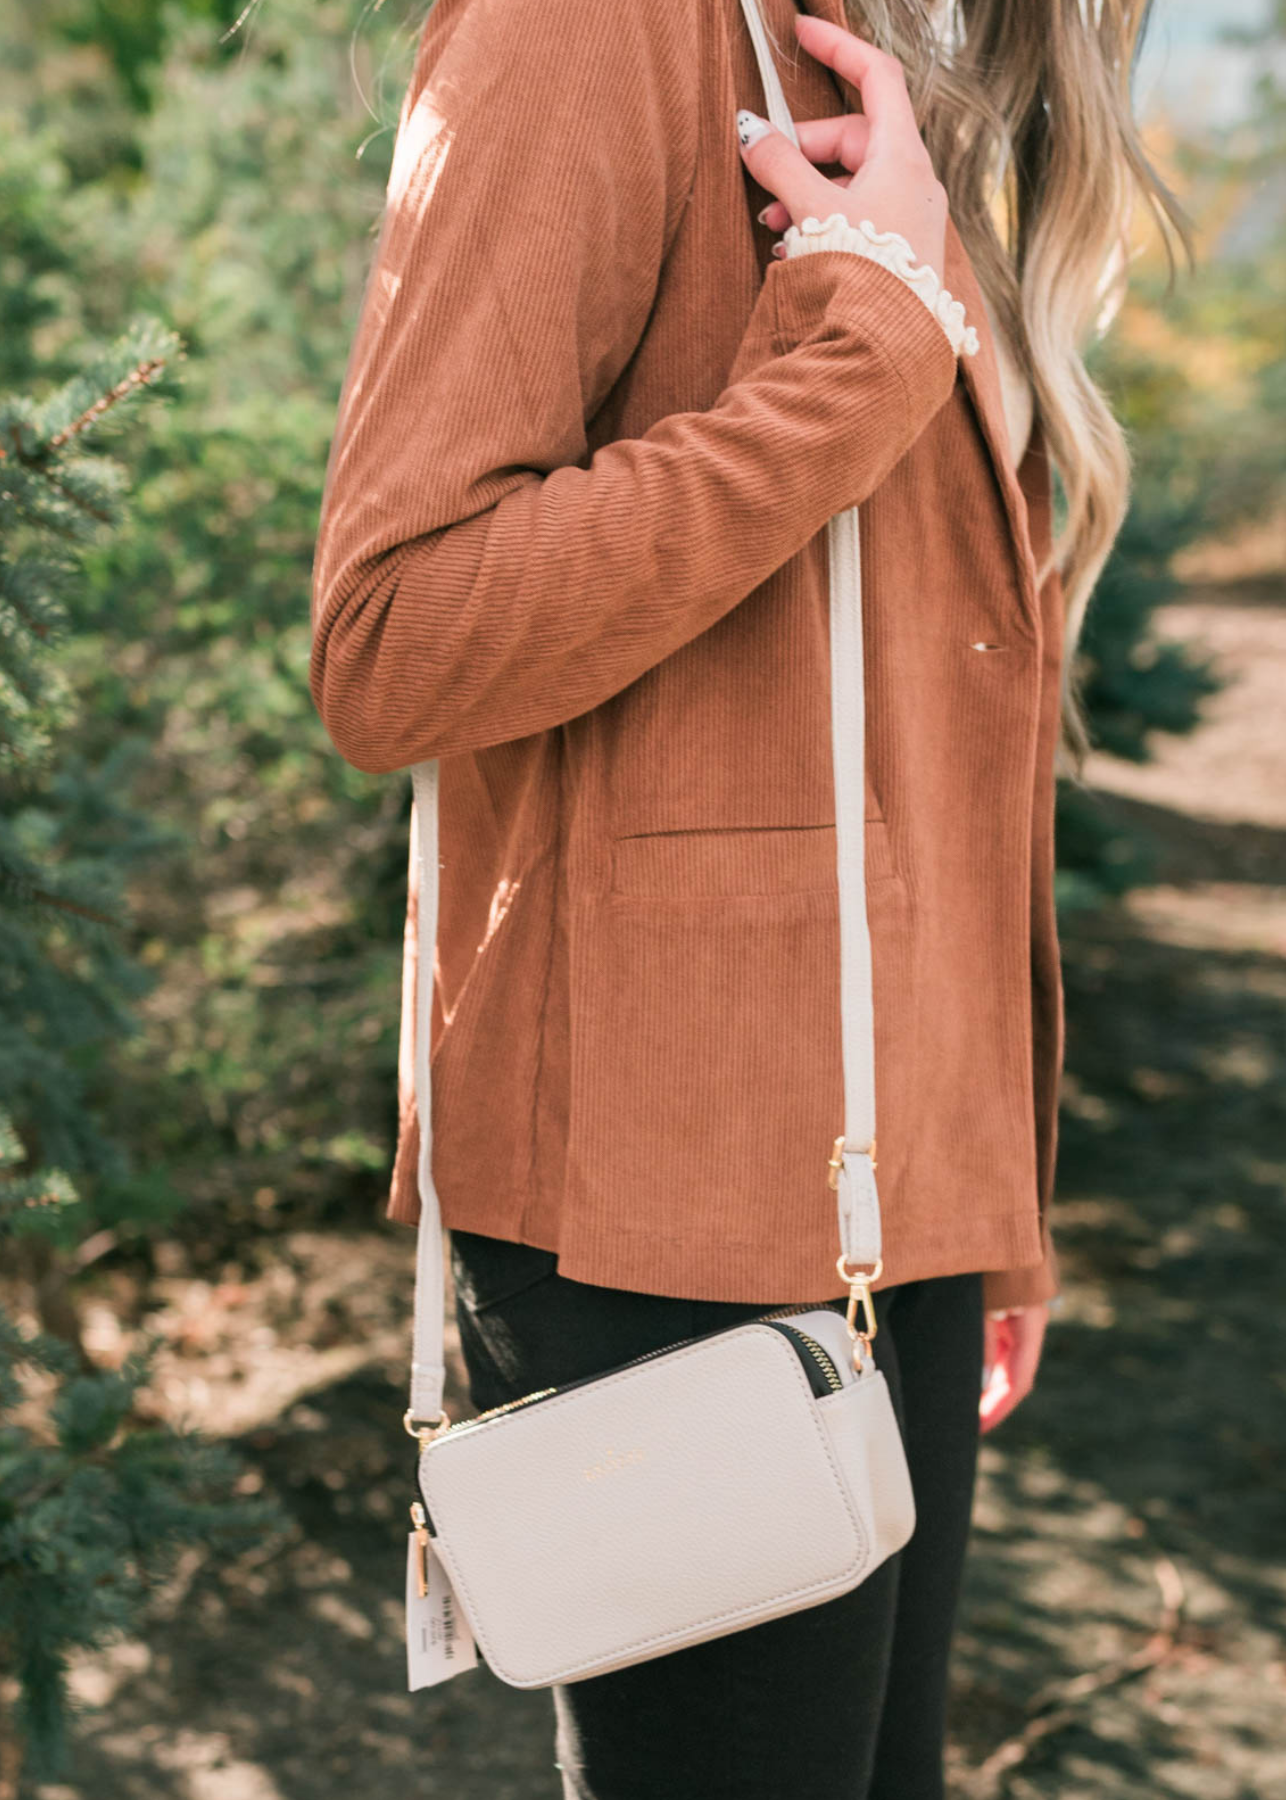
(892, 251)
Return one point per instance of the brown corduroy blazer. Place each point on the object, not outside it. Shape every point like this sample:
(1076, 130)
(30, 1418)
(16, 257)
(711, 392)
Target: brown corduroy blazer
(572, 544)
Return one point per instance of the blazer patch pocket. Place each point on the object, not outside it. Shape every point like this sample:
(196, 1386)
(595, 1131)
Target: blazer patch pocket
(706, 1078)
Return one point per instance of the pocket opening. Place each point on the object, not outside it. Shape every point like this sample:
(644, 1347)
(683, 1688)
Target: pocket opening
(738, 862)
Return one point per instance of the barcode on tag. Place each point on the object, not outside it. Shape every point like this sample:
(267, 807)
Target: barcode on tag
(439, 1643)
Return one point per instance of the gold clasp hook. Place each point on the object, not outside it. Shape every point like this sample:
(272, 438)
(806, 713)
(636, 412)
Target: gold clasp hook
(859, 1293)
(859, 1281)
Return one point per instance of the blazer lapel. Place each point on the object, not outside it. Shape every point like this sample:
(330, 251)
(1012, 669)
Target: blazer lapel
(981, 374)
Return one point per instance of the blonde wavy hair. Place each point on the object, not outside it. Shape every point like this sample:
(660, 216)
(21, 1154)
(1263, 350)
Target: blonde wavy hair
(1025, 107)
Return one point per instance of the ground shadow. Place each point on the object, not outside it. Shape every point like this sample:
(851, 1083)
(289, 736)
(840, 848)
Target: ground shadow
(1155, 1431)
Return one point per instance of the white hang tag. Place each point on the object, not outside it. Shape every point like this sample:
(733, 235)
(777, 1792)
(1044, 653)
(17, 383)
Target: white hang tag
(439, 1643)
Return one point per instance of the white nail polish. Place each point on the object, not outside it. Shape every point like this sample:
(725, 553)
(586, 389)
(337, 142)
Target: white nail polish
(750, 127)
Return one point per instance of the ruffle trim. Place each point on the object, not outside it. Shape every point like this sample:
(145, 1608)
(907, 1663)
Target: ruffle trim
(892, 251)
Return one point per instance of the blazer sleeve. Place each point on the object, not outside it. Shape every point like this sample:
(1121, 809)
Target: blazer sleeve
(1025, 1286)
(479, 575)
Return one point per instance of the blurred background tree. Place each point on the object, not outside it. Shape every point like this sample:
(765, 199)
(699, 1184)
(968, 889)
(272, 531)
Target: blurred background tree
(68, 836)
(97, 1501)
(1197, 374)
(94, 1502)
(242, 216)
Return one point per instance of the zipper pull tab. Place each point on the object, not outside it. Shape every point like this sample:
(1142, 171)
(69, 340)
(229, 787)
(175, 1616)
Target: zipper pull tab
(421, 1548)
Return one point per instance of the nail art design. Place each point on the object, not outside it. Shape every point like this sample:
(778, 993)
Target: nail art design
(750, 127)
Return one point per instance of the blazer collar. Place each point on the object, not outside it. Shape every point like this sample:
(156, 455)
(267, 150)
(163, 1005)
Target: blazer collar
(981, 372)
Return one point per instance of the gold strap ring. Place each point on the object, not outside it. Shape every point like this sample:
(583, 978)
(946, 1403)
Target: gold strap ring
(855, 1275)
(425, 1429)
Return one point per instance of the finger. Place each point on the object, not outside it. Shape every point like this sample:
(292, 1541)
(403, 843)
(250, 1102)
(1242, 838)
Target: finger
(776, 215)
(1029, 1340)
(877, 76)
(997, 1399)
(842, 139)
(783, 170)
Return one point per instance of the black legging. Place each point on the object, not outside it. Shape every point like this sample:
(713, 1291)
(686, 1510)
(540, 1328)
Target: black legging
(841, 1701)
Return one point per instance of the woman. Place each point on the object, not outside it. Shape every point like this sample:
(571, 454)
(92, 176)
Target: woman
(572, 543)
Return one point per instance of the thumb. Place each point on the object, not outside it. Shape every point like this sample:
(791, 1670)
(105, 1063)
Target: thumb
(778, 166)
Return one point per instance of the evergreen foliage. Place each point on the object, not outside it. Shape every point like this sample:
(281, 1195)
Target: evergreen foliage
(269, 924)
(67, 834)
(93, 1503)
(95, 1507)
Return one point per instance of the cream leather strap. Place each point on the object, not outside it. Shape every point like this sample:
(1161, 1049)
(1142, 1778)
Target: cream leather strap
(857, 1200)
(428, 1331)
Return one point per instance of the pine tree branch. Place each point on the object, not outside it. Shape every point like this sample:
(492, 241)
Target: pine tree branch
(60, 487)
(138, 376)
(71, 906)
(36, 627)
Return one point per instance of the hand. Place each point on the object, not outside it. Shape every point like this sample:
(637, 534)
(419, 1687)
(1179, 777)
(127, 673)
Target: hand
(1011, 1353)
(890, 179)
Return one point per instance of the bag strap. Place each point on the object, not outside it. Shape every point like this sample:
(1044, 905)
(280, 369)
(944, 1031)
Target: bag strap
(852, 1163)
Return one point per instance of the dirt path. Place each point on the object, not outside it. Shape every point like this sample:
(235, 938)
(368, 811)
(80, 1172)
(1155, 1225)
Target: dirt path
(1121, 1631)
(1146, 1474)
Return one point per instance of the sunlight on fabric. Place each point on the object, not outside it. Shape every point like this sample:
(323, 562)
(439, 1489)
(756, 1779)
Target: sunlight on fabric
(503, 897)
(501, 900)
(419, 155)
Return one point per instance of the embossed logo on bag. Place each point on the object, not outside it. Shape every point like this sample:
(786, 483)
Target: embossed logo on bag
(613, 1462)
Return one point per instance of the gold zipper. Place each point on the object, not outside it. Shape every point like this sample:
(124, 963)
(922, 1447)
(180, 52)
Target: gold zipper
(820, 1356)
(493, 1411)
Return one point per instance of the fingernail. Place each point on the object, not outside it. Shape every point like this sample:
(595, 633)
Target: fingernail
(763, 216)
(750, 127)
(779, 249)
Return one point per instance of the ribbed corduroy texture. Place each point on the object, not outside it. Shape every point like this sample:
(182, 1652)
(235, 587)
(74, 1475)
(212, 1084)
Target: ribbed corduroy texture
(571, 543)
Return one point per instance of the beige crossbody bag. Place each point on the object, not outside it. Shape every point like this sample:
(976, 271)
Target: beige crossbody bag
(753, 1470)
